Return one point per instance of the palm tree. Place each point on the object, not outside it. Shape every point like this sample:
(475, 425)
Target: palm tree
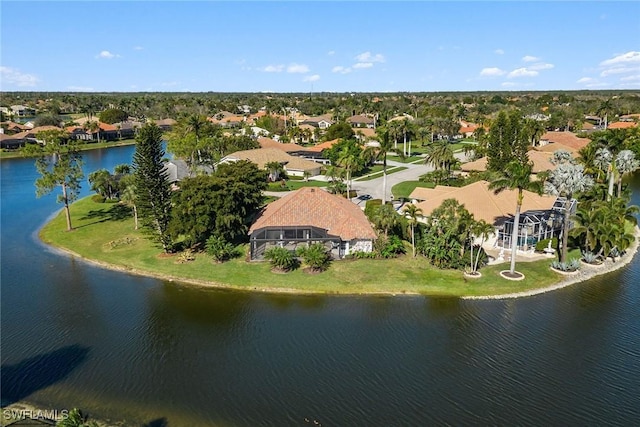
(95, 127)
(565, 180)
(128, 195)
(412, 212)
(275, 169)
(602, 160)
(626, 163)
(440, 155)
(479, 229)
(516, 176)
(385, 218)
(349, 162)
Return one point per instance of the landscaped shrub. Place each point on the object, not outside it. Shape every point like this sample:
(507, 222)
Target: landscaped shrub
(361, 255)
(590, 257)
(219, 248)
(315, 256)
(97, 198)
(186, 256)
(371, 208)
(389, 247)
(570, 266)
(281, 259)
(544, 244)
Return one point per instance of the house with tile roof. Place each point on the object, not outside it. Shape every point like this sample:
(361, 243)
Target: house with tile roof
(361, 121)
(541, 163)
(565, 140)
(311, 215)
(622, 125)
(321, 122)
(541, 215)
(294, 166)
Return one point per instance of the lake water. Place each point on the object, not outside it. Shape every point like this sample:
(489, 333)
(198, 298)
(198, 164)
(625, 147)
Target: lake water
(156, 353)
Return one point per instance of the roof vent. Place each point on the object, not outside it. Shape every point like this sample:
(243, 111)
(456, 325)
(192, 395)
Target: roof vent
(313, 190)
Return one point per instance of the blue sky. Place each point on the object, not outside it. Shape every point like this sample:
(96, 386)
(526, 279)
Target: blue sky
(334, 46)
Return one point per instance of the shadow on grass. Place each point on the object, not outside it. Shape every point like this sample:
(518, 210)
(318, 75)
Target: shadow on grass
(116, 212)
(21, 380)
(159, 422)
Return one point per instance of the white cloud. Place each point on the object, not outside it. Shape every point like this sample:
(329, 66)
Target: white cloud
(313, 78)
(105, 54)
(340, 69)
(367, 57)
(138, 48)
(625, 58)
(17, 78)
(499, 52)
(363, 65)
(522, 72)
(540, 66)
(585, 80)
(331, 52)
(492, 71)
(80, 89)
(273, 68)
(619, 70)
(297, 68)
(529, 58)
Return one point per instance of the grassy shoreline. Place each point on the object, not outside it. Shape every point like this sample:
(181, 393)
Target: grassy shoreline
(104, 236)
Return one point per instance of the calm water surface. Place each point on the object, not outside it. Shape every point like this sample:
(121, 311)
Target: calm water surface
(157, 353)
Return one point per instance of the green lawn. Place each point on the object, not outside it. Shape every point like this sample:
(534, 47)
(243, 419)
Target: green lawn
(390, 170)
(402, 190)
(405, 159)
(104, 232)
(295, 185)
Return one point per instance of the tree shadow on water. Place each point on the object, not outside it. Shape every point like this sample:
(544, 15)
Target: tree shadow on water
(24, 378)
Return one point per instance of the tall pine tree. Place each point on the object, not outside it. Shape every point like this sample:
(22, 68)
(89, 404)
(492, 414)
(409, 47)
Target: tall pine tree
(60, 165)
(507, 140)
(153, 190)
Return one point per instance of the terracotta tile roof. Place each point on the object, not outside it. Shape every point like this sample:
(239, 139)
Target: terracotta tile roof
(262, 156)
(552, 147)
(312, 206)
(166, 122)
(366, 132)
(540, 161)
(622, 125)
(105, 127)
(484, 203)
(630, 116)
(359, 118)
(323, 146)
(567, 139)
(270, 143)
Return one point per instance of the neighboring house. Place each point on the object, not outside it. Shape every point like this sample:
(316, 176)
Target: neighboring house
(630, 117)
(294, 166)
(19, 111)
(321, 122)
(540, 218)
(563, 140)
(176, 170)
(362, 121)
(311, 215)
(256, 131)
(541, 162)
(467, 129)
(622, 125)
(287, 148)
(11, 141)
(164, 124)
(365, 134)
